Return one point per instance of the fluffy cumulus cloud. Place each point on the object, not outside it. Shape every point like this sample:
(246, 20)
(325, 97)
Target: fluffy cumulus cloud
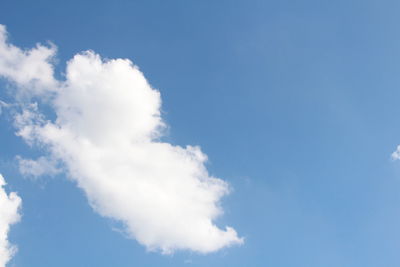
(105, 135)
(9, 205)
(30, 69)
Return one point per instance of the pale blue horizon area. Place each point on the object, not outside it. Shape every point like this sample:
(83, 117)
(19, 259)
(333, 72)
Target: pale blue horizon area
(296, 104)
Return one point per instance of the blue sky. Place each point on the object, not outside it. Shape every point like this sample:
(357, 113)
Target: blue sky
(295, 104)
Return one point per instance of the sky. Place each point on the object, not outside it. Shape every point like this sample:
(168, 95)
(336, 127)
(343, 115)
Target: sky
(199, 133)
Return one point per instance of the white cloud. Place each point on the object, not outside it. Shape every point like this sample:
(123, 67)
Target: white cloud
(38, 167)
(106, 134)
(31, 69)
(9, 205)
(396, 154)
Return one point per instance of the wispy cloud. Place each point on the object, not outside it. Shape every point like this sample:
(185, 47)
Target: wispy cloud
(38, 167)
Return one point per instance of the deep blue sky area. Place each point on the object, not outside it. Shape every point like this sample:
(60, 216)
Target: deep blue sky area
(296, 104)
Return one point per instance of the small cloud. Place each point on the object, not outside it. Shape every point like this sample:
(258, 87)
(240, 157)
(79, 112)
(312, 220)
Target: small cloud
(396, 154)
(39, 167)
(3, 105)
(9, 207)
